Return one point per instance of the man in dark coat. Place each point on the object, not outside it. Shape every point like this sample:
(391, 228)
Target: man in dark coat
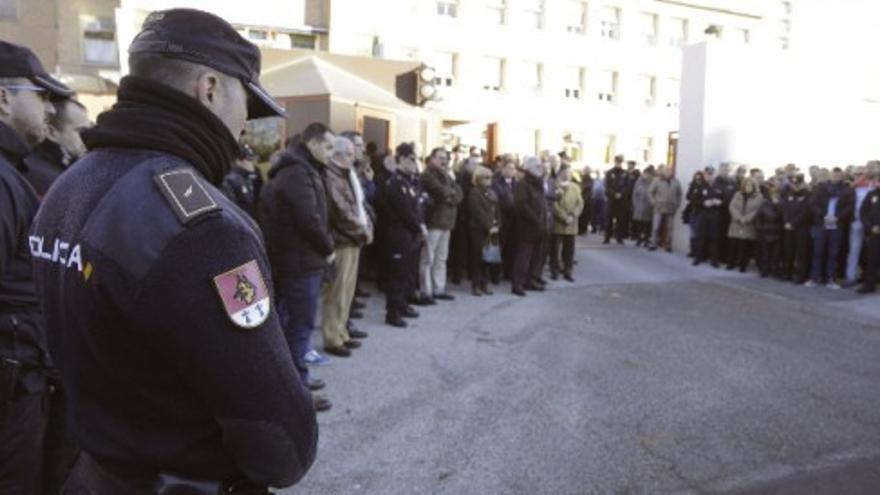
(870, 216)
(300, 245)
(831, 206)
(504, 183)
(531, 224)
(796, 242)
(244, 182)
(62, 146)
(25, 365)
(587, 195)
(616, 204)
(156, 288)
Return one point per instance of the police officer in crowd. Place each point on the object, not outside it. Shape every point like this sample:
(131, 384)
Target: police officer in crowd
(25, 107)
(616, 181)
(406, 232)
(243, 183)
(796, 242)
(62, 146)
(167, 335)
(710, 198)
(870, 217)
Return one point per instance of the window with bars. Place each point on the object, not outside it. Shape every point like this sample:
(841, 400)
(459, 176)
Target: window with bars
(608, 86)
(493, 74)
(576, 17)
(610, 22)
(447, 8)
(9, 9)
(574, 83)
(678, 29)
(99, 40)
(534, 13)
(648, 27)
(496, 11)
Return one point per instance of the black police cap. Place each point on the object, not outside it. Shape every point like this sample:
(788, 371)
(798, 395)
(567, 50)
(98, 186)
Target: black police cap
(203, 38)
(20, 61)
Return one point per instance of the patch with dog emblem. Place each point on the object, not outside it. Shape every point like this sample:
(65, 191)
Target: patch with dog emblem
(185, 193)
(244, 295)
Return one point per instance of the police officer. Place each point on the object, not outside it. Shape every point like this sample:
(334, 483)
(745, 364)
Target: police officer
(243, 183)
(25, 93)
(708, 242)
(62, 146)
(870, 216)
(156, 288)
(406, 229)
(796, 241)
(616, 181)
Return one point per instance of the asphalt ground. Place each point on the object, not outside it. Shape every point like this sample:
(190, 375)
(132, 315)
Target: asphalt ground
(646, 376)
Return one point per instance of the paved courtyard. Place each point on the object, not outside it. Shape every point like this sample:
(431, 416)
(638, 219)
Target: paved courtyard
(647, 376)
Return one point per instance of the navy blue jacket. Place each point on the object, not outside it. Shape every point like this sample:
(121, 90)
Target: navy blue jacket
(294, 216)
(159, 376)
(46, 162)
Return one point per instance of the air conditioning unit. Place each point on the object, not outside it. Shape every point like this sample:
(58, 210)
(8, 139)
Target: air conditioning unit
(609, 97)
(575, 29)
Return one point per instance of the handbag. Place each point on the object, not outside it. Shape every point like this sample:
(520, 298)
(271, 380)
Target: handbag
(492, 250)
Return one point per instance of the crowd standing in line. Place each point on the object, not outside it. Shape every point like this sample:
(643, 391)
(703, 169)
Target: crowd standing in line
(159, 334)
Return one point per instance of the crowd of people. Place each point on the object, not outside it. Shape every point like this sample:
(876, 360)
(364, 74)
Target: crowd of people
(158, 298)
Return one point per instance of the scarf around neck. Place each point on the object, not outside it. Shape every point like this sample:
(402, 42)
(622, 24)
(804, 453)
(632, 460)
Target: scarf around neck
(151, 115)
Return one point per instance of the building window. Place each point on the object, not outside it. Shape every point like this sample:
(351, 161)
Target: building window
(493, 74)
(741, 36)
(785, 26)
(678, 29)
(673, 93)
(608, 86)
(576, 17)
(531, 77)
(444, 64)
(9, 9)
(611, 23)
(534, 13)
(448, 8)
(306, 41)
(99, 40)
(610, 142)
(574, 83)
(786, 8)
(258, 34)
(783, 42)
(647, 149)
(649, 28)
(649, 90)
(496, 11)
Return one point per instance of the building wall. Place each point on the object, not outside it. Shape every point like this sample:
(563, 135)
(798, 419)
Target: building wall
(412, 29)
(73, 19)
(34, 27)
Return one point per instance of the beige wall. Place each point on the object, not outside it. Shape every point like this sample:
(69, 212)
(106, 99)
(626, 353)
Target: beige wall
(70, 32)
(34, 28)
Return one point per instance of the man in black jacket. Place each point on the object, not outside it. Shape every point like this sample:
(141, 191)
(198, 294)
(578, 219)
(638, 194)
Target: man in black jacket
(870, 216)
(62, 146)
(156, 288)
(406, 231)
(615, 192)
(25, 365)
(300, 245)
(796, 231)
(832, 209)
(243, 183)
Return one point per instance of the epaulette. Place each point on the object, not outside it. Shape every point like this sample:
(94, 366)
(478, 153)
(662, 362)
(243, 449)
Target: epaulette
(185, 193)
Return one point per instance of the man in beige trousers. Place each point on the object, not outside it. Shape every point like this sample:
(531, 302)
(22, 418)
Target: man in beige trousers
(351, 229)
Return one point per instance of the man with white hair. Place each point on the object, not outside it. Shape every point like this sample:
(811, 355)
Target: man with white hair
(530, 212)
(351, 230)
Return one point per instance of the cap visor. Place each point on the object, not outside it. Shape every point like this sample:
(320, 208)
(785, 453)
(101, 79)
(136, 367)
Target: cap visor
(58, 89)
(262, 104)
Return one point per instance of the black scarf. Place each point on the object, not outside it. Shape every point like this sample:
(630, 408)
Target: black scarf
(150, 115)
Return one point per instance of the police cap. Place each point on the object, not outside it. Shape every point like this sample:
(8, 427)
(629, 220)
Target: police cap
(202, 38)
(20, 61)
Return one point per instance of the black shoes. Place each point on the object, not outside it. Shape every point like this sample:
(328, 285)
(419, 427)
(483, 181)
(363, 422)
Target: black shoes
(444, 297)
(396, 321)
(352, 344)
(340, 351)
(321, 403)
(357, 334)
(357, 305)
(423, 301)
(535, 288)
(355, 315)
(568, 277)
(518, 292)
(409, 313)
(314, 384)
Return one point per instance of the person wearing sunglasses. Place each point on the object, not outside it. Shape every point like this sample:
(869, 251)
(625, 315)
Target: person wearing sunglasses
(26, 91)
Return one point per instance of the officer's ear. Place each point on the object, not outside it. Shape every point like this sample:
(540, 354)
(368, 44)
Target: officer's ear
(208, 89)
(5, 101)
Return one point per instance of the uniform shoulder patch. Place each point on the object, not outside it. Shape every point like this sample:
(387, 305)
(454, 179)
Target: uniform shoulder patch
(244, 295)
(185, 193)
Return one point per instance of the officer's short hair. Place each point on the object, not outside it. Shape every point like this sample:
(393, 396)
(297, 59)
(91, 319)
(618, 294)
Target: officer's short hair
(436, 150)
(170, 71)
(315, 130)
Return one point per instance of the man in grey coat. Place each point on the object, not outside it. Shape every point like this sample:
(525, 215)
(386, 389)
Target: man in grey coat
(665, 195)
